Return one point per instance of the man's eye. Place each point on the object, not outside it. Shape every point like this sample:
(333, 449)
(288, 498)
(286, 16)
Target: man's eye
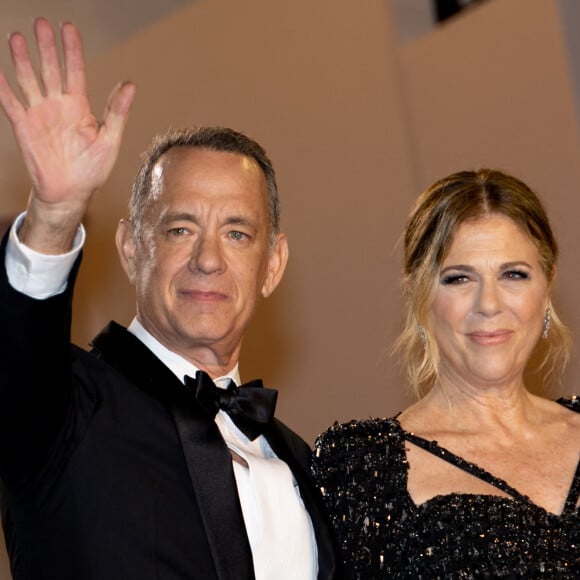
(238, 236)
(177, 232)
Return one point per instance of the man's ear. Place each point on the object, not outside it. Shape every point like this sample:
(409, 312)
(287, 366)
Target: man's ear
(126, 248)
(276, 265)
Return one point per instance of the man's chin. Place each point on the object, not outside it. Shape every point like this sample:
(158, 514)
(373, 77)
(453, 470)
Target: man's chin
(203, 337)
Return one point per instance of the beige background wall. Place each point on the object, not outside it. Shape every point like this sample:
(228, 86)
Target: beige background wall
(313, 83)
(356, 123)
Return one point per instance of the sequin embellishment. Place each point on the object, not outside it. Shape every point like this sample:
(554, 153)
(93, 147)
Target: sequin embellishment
(361, 467)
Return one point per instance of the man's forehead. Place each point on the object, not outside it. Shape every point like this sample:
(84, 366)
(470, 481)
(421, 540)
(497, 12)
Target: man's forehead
(156, 178)
(189, 159)
(212, 176)
(191, 154)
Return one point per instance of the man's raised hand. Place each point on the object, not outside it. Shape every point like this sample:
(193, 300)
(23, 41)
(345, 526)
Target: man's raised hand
(67, 151)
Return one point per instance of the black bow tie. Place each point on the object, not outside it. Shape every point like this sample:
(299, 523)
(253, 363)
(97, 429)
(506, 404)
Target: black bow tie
(251, 406)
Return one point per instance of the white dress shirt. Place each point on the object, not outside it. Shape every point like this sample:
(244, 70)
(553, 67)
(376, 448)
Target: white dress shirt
(279, 528)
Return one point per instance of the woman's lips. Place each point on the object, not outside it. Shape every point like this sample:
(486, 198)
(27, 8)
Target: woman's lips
(486, 338)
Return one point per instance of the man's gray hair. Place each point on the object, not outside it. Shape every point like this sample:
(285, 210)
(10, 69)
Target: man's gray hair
(213, 139)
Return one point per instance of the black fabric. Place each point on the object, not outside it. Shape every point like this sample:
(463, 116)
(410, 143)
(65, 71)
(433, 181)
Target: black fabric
(250, 406)
(110, 469)
(362, 469)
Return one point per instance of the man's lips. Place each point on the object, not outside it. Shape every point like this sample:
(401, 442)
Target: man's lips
(486, 338)
(204, 295)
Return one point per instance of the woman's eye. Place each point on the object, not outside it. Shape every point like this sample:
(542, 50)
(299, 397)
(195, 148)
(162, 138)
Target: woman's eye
(455, 279)
(516, 275)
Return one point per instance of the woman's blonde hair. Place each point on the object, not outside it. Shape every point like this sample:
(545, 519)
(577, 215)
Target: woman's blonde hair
(429, 232)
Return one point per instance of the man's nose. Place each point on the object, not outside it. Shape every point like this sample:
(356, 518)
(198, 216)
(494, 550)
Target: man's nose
(207, 256)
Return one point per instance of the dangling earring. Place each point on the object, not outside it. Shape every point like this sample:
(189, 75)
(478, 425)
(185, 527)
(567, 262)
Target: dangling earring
(422, 335)
(547, 323)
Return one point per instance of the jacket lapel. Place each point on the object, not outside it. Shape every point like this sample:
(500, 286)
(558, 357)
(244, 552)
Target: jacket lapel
(206, 455)
(210, 468)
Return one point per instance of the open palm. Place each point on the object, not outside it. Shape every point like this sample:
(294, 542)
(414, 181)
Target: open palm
(67, 152)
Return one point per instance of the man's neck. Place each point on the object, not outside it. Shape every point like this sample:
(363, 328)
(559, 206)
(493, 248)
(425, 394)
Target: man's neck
(179, 365)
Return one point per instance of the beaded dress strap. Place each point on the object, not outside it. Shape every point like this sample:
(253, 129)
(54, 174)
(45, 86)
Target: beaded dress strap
(572, 403)
(574, 495)
(473, 469)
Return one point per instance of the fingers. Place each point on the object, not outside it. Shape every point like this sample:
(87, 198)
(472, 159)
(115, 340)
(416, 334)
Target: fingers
(8, 101)
(74, 61)
(48, 53)
(23, 69)
(50, 69)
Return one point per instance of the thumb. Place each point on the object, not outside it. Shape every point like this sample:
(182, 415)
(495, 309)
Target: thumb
(117, 110)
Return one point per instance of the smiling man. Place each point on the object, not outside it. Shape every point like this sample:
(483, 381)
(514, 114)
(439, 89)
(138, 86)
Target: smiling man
(205, 249)
(129, 461)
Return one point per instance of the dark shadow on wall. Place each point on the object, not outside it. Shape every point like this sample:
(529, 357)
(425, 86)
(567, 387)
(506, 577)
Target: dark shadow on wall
(445, 9)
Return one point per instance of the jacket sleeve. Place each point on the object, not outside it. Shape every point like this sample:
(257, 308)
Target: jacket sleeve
(35, 376)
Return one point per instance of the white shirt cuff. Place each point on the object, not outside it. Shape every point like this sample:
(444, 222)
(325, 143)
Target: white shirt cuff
(39, 275)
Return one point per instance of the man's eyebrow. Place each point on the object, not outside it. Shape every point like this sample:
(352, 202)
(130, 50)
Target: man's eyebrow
(178, 217)
(238, 220)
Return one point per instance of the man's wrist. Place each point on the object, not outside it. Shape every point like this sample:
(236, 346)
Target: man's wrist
(36, 274)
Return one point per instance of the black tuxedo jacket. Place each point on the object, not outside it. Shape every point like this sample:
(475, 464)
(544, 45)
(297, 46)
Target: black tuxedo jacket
(110, 471)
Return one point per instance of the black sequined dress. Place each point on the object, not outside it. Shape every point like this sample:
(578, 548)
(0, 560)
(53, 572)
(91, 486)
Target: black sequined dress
(361, 468)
